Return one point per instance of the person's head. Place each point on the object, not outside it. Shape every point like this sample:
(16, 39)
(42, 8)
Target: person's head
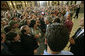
(67, 9)
(3, 22)
(26, 14)
(8, 11)
(12, 36)
(40, 16)
(82, 22)
(14, 18)
(3, 37)
(27, 22)
(48, 20)
(56, 20)
(15, 11)
(7, 28)
(22, 17)
(37, 22)
(69, 16)
(25, 29)
(32, 23)
(57, 37)
(13, 24)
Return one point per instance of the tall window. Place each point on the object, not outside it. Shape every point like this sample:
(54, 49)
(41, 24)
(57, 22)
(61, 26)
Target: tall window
(75, 2)
(43, 3)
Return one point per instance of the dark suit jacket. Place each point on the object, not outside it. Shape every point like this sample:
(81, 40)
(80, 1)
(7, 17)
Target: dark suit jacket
(77, 10)
(15, 48)
(78, 47)
(29, 44)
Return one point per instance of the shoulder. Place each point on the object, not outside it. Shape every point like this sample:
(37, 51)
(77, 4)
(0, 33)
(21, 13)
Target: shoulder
(82, 36)
(66, 53)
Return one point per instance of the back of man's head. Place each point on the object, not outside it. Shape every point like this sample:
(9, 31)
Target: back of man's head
(57, 37)
(7, 28)
(22, 29)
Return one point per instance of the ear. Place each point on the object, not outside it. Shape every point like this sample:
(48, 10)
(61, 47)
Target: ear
(45, 41)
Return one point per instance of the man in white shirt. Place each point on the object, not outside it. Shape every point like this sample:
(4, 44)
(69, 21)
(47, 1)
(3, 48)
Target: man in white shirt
(68, 12)
(57, 37)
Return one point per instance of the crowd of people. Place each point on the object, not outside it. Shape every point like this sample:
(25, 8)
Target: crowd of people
(22, 30)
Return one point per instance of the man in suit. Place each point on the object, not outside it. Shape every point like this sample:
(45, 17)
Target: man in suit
(77, 11)
(28, 41)
(77, 41)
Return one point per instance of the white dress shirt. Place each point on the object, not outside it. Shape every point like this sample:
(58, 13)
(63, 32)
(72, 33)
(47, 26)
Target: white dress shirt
(80, 32)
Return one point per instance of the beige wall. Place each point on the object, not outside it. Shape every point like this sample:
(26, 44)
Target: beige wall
(27, 3)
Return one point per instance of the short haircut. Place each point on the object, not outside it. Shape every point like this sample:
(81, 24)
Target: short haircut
(22, 29)
(7, 28)
(11, 35)
(32, 23)
(57, 37)
(57, 20)
(1, 36)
